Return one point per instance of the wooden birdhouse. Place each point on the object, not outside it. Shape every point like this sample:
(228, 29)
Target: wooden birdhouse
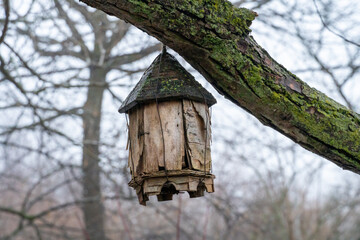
(169, 132)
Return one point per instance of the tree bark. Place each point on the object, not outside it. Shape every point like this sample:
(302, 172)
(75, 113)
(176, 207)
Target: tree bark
(93, 209)
(213, 36)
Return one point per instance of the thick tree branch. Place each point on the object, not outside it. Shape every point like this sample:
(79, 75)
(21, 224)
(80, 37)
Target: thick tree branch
(213, 36)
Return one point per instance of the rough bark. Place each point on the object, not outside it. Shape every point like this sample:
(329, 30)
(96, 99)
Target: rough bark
(213, 36)
(93, 209)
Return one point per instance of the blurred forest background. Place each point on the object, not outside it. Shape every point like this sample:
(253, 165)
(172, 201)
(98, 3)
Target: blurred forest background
(65, 68)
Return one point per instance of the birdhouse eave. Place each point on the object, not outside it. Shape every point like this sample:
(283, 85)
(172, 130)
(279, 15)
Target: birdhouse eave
(164, 80)
(128, 107)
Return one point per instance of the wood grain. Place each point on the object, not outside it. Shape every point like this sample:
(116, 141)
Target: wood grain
(196, 134)
(153, 150)
(172, 122)
(136, 145)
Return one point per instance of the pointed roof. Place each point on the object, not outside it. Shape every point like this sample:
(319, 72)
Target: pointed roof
(166, 79)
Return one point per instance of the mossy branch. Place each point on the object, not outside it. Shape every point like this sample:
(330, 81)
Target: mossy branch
(213, 36)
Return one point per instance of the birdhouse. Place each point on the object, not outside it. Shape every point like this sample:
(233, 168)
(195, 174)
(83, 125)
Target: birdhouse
(169, 132)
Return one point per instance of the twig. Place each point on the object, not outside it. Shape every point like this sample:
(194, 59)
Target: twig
(332, 31)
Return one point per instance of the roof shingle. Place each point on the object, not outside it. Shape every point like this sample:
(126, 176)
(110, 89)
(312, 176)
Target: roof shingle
(166, 79)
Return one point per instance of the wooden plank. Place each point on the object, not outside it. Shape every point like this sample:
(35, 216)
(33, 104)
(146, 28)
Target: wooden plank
(173, 131)
(203, 111)
(197, 153)
(140, 141)
(134, 151)
(192, 133)
(183, 180)
(194, 182)
(130, 141)
(197, 120)
(153, 148)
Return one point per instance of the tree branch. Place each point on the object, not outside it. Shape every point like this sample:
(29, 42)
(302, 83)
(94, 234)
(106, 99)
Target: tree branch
(116, 61)
(72, 26)
(213, 36)
(6, 23)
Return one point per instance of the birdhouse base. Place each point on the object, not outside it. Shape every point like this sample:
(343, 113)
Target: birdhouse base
(165, 184)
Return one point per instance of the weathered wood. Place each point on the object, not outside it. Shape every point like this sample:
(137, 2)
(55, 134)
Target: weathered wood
(141, 139)
(172, 122)
(170, 173)
(172, 132)
(203, 111)
(195, 130)
(153, 151)
(136, 146)
(184, 123)
(193, 182)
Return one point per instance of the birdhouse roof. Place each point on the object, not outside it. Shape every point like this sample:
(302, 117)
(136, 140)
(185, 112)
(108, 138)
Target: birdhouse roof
(166, 79)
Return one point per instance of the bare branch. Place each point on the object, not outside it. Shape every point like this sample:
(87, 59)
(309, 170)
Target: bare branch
(116, 61)
(7, 16)
(72, 25)
(331, 30)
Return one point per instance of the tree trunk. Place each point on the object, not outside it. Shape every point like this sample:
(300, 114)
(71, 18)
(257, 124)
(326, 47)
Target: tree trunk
(93, 208)
(213, 36)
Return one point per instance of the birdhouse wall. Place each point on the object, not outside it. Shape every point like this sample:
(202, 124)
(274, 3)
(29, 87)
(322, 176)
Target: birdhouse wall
(172, 131)
(184, 124)
(197, 132)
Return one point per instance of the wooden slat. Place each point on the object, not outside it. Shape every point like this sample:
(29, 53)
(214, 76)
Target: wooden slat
(183, 172)
(133, 148)
(173, 130)
(136, 141)
(197, 120)
(173, 133)
(203, 111)
(183, 180)
(153, 148)
(140, 119)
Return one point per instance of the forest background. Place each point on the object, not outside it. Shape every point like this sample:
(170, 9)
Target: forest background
(65, 70)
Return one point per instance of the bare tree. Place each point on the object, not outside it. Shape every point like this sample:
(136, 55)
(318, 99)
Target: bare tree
(89, 41)
(63, 170)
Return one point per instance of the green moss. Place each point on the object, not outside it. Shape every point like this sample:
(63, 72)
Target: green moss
(253, 74)
(316, 122)
(169, 85)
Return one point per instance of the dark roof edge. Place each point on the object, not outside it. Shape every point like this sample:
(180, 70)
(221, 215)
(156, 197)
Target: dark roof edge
(127, 107)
